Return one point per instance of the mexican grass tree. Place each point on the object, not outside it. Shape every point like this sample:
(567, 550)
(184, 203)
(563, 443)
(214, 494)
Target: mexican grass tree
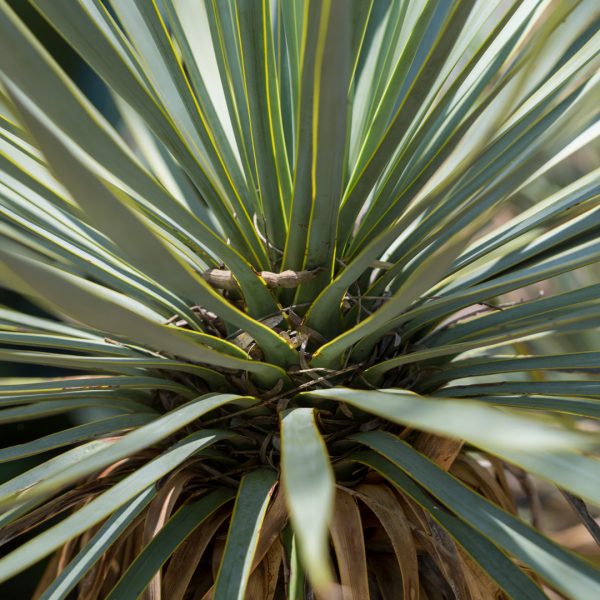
(292, 294)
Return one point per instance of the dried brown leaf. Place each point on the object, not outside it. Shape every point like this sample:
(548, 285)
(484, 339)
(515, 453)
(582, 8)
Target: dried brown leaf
(349, 544)
(263, 581)
(387, 575)
(186, 558)
(157, 515)
(384, 504)
(273, 524)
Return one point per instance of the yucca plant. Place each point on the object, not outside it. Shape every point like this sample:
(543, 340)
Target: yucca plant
(282, 281)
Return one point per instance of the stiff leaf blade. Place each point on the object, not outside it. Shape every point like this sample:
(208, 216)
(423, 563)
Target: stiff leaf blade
(309, 487)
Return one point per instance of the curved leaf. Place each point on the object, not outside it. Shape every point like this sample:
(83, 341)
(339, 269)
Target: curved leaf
(309, 489)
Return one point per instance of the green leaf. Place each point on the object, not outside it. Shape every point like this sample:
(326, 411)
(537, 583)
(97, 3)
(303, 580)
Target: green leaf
(546, 309)
(84, 124)
(71, 111)
(583, 191)
(574, 387)
(570, 470)
(296, 585)
(571, 259)
(52, 466)
(306, 63)
(110, 211)
(330, 86)
(490, 365)
(81, 433)
(249, 512)
(549, 450)
(559, 238)
(191, 31)
(226, 75)
(464, 419)
(427, 72)
(584, 407)
(94, 346)
(36, 388)
(374, 64)
(118, 382)
(143, 437)
(415, 153)
(257, 61)
(112, 215)
(114, 365)
(50, 408)
(509, 163)
(434, 267)
(143, 23)
(56, 234)
(109, 311)
(309, 488)
(22, 322)
(436, 135)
